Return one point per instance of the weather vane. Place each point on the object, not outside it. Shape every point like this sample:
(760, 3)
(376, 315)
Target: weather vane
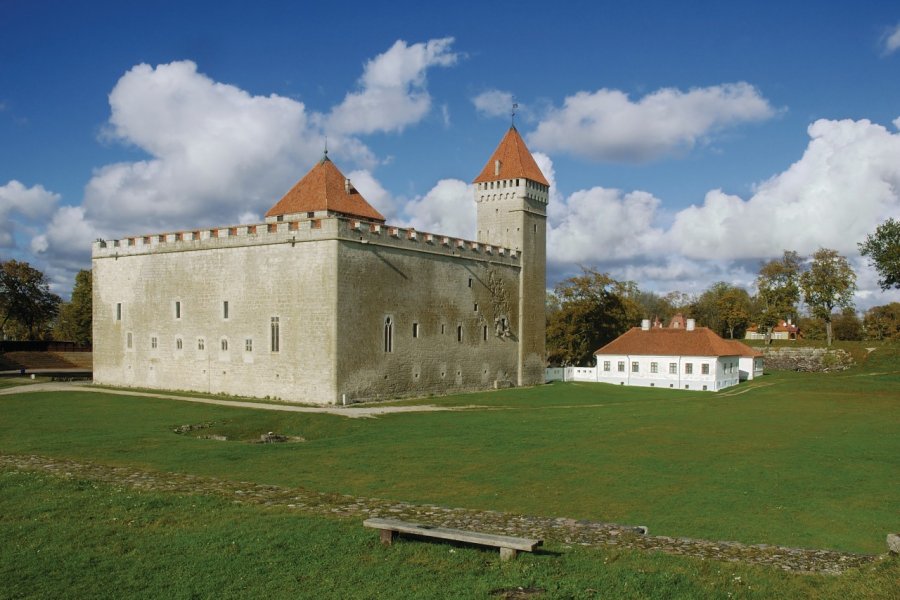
(513, 112)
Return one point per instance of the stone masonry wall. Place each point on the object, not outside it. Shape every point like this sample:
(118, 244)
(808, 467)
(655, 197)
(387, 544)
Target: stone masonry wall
(807, 359)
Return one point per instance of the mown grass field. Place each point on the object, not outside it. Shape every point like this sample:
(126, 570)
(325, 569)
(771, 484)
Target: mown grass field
(791, 459)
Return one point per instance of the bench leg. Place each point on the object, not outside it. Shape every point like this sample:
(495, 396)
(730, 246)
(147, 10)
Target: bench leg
(387, 536)
(507, 554)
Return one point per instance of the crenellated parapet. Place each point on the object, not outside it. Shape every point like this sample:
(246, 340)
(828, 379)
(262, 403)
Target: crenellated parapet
(298, 231)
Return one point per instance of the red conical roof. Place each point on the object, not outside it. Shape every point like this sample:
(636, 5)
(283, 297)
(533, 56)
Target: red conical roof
(325, 188)
(515, 161)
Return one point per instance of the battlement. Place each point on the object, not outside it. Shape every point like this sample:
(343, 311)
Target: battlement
(298, 231)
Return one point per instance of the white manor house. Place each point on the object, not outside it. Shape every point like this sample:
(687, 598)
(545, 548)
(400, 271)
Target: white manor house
(326, 303)
(681, 356)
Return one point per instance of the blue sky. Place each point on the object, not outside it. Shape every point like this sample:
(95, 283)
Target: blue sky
(685, 144)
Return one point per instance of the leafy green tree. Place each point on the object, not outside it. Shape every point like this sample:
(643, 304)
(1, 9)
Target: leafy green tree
(594, 310)
(847, 326)
(883, 250)
(653, 305)
(734, 310)
(779, 291)
(828, 283)
(75, 318)
(27, 306)
(883, 322)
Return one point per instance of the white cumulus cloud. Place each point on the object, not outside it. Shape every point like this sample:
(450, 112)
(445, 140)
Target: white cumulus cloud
(393, 92)
(892, 40)
(493, 103)
(448, 208)
(608, 125)
(22, 205)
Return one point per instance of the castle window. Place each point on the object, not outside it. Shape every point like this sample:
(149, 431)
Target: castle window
(119, 311)
(177, 309)
(621, 366)
(415, 330)
(688, 368)
(274, 326)
(225, 309)
(704, 369)
(484, 332)
(442, 329)
(470, 282)
(654, 367)
(128, 341)
(248, 345)
(201, 344)
(388, 335)
(606, 365)
(476, 307)
(459, 333)
(224, 344)
(153, 343)
(178, 344)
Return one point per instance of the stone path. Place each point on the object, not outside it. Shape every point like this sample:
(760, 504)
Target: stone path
(553, 530)
(344, 411)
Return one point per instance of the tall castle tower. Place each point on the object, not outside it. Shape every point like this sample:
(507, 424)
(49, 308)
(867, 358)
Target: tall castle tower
(511, 195)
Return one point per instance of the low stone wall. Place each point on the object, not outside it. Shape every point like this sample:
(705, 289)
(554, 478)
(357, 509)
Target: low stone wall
(813, 360)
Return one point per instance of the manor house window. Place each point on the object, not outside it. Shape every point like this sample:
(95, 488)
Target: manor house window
(704, 369)
(654, 367)
(621, 366)
(635, 367)
(673, 368)
(606, 365)
(688, 368)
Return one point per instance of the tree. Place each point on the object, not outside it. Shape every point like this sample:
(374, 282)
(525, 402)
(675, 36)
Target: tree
(594, 310)
(883, 250)
(27, 306)
(75, 319)
(847, 326)
(829, 283)
(779, 291)
(653, 305)
(883, 322)
(734, 310)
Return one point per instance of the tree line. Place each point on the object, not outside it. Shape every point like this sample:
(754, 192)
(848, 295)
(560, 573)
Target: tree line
(589, 310)
(30, 311)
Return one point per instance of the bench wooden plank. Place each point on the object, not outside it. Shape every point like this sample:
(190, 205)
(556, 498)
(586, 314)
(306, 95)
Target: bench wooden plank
(504, 542)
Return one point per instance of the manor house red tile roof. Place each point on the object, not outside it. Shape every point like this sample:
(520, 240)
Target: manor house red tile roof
(515, 161)
(667, 341)
(325, 188)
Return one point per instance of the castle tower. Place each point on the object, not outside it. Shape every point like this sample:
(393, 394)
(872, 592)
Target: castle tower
(511, 195)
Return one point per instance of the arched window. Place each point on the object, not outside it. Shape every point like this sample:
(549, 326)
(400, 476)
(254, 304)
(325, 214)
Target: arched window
(388, 335)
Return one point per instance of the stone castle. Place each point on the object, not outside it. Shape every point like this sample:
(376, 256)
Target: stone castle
(326, 303)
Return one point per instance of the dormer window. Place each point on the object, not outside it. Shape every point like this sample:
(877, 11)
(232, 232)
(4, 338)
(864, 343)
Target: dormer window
(496, 167)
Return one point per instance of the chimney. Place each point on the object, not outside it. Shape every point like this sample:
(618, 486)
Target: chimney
(690, 324)
(645, 325)
(347, 186)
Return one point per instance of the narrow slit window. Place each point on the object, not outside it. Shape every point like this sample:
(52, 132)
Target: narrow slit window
(224, 344)
(459, 333)
(119, 311)
(177, 309)
(179, 344)
(225, 309)
(484, 332)
(275, 334)
(388, 335)
(415, 330)
(129, 341)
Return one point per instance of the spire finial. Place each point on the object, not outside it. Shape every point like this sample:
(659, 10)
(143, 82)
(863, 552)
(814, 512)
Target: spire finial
(513, 112)
(325, 155)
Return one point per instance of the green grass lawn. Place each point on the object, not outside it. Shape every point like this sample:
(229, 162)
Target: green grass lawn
(72, 538)
(791, 459)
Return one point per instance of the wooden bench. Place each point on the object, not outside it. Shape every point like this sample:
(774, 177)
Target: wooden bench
(508, 545)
